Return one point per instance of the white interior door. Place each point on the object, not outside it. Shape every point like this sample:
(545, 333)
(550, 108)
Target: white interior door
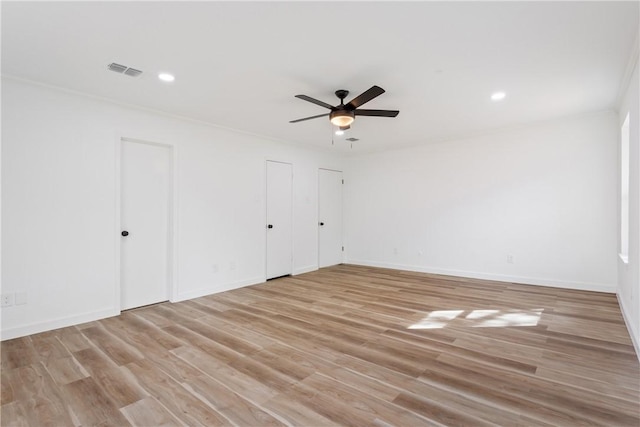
(145, 202)
(279, 219)
(329, 217)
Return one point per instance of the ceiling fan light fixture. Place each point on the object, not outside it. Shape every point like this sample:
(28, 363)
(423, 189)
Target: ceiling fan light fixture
(341, 118)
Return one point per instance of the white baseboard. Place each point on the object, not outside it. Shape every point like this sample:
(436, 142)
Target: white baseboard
(633, 332)
(209, 290)
(306, 269)
(35, 328)
(583, 286)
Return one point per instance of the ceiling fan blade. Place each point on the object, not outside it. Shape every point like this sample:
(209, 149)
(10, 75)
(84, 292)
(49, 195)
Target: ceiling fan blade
(315, 101)
(309, 118)
(364, 97)
(377, 113)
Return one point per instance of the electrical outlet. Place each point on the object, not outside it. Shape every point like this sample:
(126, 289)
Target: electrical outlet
(215, 268)
(21, 298)
(510, 259)
(232, 265)
(420, 252)
(395, 251)
(6, 300)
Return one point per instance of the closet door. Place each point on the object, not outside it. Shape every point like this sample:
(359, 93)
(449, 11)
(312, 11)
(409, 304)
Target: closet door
(329, 217)
(145, 201)
(279, 225)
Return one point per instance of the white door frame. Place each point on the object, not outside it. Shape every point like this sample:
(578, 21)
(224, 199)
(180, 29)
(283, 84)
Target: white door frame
(341, 213)
(172, 229)
(266, 218)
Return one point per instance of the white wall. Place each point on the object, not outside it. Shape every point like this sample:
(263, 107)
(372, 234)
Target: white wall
(629, 273)
(545, 194)
(59, 240)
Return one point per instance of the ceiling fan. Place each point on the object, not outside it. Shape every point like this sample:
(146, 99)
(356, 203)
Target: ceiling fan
(343, 115)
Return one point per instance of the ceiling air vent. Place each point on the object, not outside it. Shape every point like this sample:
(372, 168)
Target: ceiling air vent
(133, 72)
(123, 69)
(352, 139)
(117, 67)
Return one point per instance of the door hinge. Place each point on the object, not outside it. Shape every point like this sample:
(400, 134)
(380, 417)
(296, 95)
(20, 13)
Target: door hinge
(343, 249)
(343, 181)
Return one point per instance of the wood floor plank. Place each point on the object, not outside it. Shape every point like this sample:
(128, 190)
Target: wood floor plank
(239, 382)
(114, 381)
(174, 397)
(145, 332)
(7, 389)
(148, 412)
(91, 405)
(437, 412)
(41, 401)
(345, 345)
(74, 341)
(13, 415)
(142, 338)
(515, 396)
(295, 413)
(66, 370)
(596, 386)
(117, 350)
(329, 396)
(17, 353)
(233, 406)
(210, 331)
(353, 379)
(221, 353)
(49, 348)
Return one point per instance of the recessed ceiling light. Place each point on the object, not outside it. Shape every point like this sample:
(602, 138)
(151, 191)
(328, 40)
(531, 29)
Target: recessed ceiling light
(166, 77)
(339, 132)
(498, 96)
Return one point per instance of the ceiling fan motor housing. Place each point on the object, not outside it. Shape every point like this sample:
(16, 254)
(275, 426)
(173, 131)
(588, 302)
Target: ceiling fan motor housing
(342, 94)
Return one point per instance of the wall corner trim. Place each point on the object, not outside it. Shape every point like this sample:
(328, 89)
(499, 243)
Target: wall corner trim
(632, 63)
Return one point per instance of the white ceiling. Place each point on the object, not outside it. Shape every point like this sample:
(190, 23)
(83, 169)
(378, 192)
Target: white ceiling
(239, 64)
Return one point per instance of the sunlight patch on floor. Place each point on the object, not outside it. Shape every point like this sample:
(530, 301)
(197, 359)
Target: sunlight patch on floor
(480, 318)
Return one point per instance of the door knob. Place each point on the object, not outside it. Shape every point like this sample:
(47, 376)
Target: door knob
(125, 233)
(270, 226)
(322, 223)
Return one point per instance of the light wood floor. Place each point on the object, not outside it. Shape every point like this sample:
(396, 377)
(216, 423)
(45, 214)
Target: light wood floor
(345, 345)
